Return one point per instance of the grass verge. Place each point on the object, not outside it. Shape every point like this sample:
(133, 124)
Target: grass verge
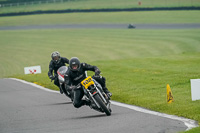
(97, 4)
(33, 47)
(155, 17)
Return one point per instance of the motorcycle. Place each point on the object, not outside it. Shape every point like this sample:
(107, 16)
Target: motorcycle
(93, 92)
(61, 72)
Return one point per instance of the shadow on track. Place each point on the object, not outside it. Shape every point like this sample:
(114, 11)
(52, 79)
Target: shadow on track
(58, 103)
(92, 116)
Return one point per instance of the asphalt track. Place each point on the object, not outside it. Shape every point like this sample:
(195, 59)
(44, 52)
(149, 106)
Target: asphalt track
(24, 108)
(104, 26)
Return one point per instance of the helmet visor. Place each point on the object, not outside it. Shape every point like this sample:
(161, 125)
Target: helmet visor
(74, 66)
(56, 58)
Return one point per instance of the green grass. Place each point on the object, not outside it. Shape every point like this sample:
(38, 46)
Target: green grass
(114, 44)
(159, 17)
(99, 4)
(194, 130)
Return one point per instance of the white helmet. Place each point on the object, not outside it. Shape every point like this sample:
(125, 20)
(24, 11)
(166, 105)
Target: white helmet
(55, 56)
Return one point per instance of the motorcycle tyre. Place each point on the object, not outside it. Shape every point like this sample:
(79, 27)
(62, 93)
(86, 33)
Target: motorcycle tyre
(102, 105)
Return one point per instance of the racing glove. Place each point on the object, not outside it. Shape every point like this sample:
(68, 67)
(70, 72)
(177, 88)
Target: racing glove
(52, 77)
(97, 72)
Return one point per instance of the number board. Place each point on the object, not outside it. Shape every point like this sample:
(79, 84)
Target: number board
(87, 82)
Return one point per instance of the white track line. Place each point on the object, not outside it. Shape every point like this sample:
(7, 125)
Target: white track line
(188, 122)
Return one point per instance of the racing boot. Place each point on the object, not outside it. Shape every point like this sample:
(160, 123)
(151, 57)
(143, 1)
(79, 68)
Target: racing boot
(61, 91)
(108, 93)
(87, 102)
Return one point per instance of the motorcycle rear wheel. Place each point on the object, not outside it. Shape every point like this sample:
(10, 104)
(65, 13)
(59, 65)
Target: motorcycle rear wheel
(102, 104)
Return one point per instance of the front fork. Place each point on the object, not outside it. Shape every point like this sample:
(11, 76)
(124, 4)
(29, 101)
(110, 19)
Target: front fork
(97, 92)
(91, 95)
(100, 93)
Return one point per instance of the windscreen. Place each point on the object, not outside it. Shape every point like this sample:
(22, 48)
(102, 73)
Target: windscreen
(62, 70)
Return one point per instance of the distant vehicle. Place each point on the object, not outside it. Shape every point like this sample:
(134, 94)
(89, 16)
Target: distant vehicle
(131, 26)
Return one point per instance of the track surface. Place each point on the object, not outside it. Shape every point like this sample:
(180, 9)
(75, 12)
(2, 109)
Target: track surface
(27, 109)
(104, 26)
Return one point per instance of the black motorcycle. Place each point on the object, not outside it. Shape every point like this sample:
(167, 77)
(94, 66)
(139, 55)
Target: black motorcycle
(93, 91)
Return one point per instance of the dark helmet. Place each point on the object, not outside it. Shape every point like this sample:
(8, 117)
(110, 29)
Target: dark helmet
(56, 57)
(74, 64)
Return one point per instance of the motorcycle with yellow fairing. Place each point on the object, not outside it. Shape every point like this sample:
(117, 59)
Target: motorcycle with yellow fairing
(93, 91)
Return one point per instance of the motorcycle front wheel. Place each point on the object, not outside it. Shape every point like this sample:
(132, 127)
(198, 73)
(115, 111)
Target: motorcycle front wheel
(102, 104)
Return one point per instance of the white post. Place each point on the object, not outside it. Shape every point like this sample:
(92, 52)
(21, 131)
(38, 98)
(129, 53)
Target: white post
(195, 89)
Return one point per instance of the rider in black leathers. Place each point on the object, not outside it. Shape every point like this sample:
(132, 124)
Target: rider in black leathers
(54, 65)
(76, 74)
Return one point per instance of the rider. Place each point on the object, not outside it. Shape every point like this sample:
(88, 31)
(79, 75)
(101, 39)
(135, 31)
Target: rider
(76, 74)
(54, 65)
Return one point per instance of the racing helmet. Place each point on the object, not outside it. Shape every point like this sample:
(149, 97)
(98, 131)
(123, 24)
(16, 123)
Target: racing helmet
(55, 57)
(74, 64)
